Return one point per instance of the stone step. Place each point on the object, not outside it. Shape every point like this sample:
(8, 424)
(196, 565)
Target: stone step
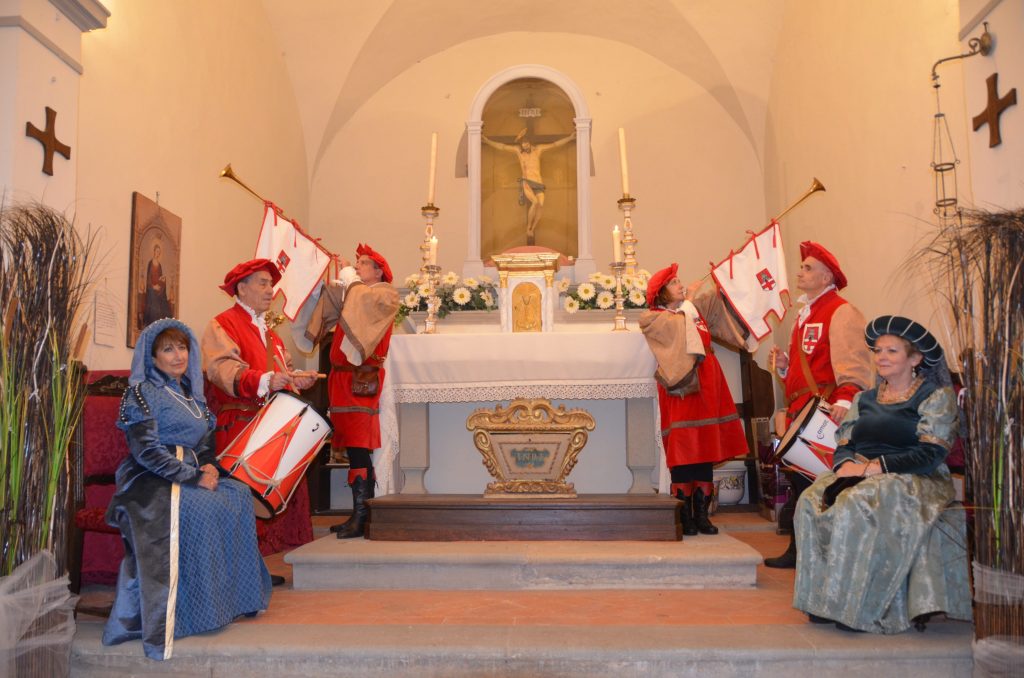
(455, 651)
(713, 562)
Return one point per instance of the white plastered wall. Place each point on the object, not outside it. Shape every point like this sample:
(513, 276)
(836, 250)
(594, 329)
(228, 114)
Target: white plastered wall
(172, 92)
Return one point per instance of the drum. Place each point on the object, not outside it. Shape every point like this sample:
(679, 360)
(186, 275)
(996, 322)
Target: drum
(272, 452)
(810, 441)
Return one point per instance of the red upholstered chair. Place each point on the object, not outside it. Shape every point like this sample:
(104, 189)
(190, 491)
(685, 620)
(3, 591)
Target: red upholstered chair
(95, 549)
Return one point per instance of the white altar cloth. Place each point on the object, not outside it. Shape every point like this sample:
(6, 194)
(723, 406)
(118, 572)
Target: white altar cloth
(495, 366)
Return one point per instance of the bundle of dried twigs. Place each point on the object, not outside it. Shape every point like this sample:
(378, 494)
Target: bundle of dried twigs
(44, 274)
(980, 258)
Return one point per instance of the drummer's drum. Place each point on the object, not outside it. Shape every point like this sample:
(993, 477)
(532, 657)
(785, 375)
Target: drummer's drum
(810, 441)
(272, 452)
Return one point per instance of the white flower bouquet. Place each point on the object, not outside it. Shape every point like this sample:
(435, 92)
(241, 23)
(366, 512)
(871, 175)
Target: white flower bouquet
(454, 294)
(599, 292)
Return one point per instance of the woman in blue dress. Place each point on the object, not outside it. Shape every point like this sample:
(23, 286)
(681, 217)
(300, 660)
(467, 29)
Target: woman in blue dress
(191, 561)
(880, 542)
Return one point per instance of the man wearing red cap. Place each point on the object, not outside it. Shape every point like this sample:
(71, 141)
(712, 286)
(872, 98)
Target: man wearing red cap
(361, 305)
(244, 361)
(827, 354)
(699, 422)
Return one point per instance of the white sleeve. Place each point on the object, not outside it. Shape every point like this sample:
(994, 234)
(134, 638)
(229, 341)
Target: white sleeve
(346, 277)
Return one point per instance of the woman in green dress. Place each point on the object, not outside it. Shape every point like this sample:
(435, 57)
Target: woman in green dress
(880, 541)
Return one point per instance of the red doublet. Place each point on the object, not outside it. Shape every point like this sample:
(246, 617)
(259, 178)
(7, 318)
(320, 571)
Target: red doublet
(356, 419)
(235, 411)
(293, 527)
(702, 426)
(812, 338)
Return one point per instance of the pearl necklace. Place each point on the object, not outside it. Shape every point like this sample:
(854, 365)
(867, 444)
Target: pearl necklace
(187, 403)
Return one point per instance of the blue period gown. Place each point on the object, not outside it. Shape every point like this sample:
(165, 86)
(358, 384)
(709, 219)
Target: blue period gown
(191, 560)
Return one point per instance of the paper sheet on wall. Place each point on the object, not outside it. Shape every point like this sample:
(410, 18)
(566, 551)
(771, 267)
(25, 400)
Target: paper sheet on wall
(104, 320)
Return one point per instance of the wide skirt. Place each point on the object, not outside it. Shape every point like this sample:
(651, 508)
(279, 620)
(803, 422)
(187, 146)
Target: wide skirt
(890, 549)
(218, 575)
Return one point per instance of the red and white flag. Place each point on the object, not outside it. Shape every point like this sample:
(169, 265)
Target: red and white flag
(754, 279)
(301, 260)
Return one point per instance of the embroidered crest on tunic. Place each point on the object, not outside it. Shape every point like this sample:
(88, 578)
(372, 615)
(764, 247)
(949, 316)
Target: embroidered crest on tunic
(812, 335)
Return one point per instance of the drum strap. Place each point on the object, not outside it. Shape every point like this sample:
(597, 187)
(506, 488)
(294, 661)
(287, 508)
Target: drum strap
(812, 386)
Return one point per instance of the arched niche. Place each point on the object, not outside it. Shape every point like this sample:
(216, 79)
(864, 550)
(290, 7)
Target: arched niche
(584, 261)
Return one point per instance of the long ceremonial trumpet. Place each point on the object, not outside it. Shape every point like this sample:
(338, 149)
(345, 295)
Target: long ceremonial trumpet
(815, 187)
(229, 173)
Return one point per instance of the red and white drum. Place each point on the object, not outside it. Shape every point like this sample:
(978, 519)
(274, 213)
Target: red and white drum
(810, 441)
(272, 452)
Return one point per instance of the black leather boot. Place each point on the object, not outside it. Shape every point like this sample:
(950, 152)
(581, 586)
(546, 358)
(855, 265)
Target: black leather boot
(787, 560)
(686, 514)
(362, 489)
(701, 506)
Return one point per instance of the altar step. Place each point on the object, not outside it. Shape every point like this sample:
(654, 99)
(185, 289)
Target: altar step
(712, 562)
(462, 517)
(259, 650)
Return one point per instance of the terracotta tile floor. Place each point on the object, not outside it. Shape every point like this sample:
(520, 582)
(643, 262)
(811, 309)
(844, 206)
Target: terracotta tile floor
(769, 603)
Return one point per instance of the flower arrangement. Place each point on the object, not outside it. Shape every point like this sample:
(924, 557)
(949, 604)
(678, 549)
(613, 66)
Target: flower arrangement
(454, 294)
(599, 292)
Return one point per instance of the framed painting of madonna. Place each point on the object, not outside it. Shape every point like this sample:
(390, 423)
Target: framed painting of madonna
(154, 265)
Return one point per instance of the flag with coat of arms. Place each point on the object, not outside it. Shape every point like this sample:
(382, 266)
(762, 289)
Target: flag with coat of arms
(754, 278)
(301, 260)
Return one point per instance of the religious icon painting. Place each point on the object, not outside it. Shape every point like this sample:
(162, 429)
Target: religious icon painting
(154, 265)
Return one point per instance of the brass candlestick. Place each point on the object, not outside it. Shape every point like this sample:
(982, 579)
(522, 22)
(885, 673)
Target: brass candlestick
(620, 301)
(629, 241)
(430, 270)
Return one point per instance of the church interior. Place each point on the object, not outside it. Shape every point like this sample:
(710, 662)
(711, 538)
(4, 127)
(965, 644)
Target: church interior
(353, 118)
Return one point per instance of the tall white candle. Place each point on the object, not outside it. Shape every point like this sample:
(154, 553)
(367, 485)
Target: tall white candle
(433, 250)
(433, 168)
(622, 161)
(616, 244)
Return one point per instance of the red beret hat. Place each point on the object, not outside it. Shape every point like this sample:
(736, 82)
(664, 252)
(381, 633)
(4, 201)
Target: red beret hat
(659, 280)
(244, 270)
(380, 261)
(813, 249)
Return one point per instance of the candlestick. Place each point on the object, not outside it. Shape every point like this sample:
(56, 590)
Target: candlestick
(620, 301)
(433, 168)
(433, 273)
(430, 270)
(622, 162)
(629, 241)
(616, 244)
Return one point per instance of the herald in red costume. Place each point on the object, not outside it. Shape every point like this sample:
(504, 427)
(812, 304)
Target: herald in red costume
(235, 359)
(361, 306)
(699, 422)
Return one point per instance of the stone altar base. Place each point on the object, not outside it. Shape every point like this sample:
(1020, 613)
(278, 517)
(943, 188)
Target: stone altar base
(461, 517)
(711, 562)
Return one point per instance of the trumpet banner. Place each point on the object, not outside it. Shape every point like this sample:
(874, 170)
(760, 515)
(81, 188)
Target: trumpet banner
(754, 278)
(301, 260)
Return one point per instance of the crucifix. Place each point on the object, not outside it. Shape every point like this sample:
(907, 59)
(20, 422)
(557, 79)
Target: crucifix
(48, 138)
(993, 109)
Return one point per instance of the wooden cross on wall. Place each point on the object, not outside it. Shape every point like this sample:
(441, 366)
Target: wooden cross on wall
(994, 108)
(48, 138)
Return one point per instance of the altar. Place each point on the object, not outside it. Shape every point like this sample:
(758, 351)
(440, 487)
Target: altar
(609, 373)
